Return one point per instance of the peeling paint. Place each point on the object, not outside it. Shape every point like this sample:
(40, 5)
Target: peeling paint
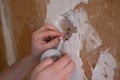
(105, 67)
(56, 9)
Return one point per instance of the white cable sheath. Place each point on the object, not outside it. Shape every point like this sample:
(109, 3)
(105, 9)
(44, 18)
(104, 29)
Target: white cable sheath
(52, 52)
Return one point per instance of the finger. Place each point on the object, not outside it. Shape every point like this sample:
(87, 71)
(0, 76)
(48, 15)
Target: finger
(61, 63)
(65, 76)
(50, 34)
(69, 68)
(48, 27)
(43, 64)
(45, 28)
(52, 43)
(44, 35)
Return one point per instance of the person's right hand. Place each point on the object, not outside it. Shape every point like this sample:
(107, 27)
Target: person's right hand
(45, 38)
(49, 70)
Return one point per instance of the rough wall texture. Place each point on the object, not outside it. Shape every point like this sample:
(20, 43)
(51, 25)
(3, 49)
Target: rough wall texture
(103, 14)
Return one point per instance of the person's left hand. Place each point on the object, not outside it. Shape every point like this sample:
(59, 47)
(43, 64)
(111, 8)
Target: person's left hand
(45, 38)
(48, 69)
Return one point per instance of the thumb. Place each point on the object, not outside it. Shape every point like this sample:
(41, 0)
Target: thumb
(45, 63)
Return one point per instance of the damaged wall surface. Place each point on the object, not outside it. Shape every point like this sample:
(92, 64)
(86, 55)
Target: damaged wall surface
(94, 47)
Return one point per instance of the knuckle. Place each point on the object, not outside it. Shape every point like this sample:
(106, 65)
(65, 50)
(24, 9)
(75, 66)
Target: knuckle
(66, 58)
(49, 60)
(57, 40)
(56, 68)
(72, 65)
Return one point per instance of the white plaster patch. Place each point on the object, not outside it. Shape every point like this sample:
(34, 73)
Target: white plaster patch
(72, 47)
(56, 7)
(85, 32)
(75, 43)
(104, 69)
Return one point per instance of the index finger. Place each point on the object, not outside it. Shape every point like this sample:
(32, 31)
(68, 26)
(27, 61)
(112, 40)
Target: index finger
(47, 34)
(61, 63)
(48, 27)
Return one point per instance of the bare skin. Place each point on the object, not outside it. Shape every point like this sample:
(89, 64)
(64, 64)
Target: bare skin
(50, 70)
(40, 44)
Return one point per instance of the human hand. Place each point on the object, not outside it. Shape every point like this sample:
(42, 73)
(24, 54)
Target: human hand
(44, 38)
(49, 70)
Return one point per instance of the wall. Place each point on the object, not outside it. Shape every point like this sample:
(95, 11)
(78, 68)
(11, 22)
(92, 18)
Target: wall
(28, 15)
